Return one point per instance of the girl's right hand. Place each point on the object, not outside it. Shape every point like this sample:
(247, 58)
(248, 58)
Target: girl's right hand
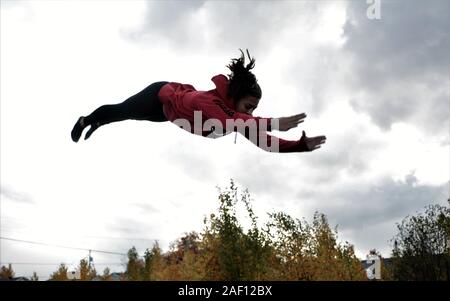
(287, 123)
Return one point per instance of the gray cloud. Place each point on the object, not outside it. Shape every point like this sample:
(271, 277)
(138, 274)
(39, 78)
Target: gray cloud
(278, 175)
(219, 25)
(264, 175)
(400, 63)
(410, 39)
(170, 20)
(191, 162)
(146, 208)
(349, 206)
(387, 200)
(128, 227)
(368, 215)
(10, 194)
(350, 153)
(127, 232)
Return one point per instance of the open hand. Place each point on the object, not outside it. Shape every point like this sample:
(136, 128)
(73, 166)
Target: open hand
(287, 123)
(309, 144)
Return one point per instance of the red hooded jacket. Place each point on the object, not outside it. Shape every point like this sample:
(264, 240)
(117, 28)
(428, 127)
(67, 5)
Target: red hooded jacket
(180, 101)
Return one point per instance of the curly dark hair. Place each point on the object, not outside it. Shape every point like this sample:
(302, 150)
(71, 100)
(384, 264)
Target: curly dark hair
(242, 81)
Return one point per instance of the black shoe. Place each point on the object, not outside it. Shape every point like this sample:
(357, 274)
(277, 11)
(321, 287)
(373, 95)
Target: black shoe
(78, 129)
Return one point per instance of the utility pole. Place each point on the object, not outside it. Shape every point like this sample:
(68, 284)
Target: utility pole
(89, 259)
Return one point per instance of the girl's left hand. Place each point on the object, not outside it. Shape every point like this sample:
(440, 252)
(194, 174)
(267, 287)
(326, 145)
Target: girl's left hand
(310, 144)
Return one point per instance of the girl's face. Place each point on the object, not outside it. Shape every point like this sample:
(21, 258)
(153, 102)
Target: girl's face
(247, 104)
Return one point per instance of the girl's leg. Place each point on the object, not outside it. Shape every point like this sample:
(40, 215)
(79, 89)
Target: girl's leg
(145, 105)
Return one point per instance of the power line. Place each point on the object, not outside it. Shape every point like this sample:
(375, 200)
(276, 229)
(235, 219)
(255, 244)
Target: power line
(60, 246)
(48, 263)
(31, 263)
(121, 238)
(14, 229)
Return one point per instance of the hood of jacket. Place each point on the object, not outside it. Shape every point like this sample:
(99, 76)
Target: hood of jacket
(222, 84)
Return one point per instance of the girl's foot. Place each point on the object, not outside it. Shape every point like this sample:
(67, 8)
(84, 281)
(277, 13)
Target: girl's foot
(78, 129)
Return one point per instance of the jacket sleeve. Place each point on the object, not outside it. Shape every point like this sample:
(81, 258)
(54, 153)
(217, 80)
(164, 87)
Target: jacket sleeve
(216, 109)
(274, 144)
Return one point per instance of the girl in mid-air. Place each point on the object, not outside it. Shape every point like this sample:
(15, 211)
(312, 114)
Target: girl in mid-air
(227, 108)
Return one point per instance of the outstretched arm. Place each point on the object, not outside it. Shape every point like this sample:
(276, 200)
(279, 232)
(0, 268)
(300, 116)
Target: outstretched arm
(219, 111)
(274, 144)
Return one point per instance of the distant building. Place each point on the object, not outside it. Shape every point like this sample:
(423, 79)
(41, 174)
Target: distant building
(373, 265)
(116, 276)
(373, 268)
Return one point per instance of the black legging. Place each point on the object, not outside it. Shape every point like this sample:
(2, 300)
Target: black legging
(145, 105)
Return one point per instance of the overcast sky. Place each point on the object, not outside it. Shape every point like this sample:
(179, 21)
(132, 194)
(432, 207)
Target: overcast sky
(377, 88)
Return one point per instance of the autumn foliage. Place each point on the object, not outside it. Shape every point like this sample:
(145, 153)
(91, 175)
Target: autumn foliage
(284, 249)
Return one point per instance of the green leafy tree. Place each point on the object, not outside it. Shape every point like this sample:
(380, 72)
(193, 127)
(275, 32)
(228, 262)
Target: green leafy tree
(87, 273)
(34, 277)
(134, 266)
(310, 251)
(154, 267)
(106, 276)
(422, 246)
(333, 261)
(60, 274)
(235, 254)
(6, 273)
